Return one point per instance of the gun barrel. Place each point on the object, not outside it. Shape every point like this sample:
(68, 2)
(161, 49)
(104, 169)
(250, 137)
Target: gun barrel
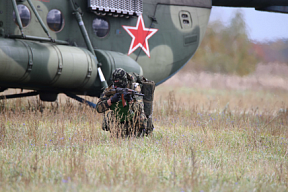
(134, 92)
(122, 91)
(140, 94)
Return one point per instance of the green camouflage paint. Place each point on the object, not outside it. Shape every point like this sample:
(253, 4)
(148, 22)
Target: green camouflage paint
(175, 29)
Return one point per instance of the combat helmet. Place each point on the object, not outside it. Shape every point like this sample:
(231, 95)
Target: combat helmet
(119, 77)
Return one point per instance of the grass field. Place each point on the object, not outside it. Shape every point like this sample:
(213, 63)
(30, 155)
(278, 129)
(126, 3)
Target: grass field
(205, 139)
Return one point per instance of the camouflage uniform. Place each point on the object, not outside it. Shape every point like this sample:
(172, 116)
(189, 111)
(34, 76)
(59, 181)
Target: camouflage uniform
(137, 124)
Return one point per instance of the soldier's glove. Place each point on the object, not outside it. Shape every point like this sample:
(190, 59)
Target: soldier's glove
(127, 97)
(116, 97)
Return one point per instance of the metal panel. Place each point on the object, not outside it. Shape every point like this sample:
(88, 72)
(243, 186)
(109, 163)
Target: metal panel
(277, 9)
(125, 7)
(250, 3)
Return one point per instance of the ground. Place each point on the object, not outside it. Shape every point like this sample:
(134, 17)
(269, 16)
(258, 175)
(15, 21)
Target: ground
(207, 137)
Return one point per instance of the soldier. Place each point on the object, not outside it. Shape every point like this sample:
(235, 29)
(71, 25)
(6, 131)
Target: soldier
(123, 121)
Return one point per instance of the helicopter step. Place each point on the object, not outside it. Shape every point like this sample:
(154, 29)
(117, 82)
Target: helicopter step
(18, 95)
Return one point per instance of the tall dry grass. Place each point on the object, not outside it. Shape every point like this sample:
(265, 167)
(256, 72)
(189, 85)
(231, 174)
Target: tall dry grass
(204, 140)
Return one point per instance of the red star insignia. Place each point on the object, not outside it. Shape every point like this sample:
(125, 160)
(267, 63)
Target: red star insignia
(140, 35)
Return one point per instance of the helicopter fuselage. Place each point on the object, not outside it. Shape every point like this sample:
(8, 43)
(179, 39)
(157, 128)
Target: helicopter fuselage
(175, 29)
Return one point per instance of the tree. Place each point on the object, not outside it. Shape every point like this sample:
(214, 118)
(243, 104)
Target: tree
(226, 49)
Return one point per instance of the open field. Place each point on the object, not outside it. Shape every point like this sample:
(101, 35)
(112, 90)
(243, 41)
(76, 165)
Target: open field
(207, 138)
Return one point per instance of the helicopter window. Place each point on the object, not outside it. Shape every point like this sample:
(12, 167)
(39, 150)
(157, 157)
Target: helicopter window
(185, 20)
(184, 16)
(100, 27)
(24, 13)
(55, 20)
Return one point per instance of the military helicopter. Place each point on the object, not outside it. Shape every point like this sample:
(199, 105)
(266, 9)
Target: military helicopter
(72, 46)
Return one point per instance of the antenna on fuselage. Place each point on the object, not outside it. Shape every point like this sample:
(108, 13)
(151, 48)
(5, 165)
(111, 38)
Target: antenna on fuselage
(39, 19)
(78, 13)
(17, 16)
(22, 36)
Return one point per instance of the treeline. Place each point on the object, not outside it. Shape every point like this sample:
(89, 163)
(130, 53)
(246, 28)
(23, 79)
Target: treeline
(273, 51)
(227, 49)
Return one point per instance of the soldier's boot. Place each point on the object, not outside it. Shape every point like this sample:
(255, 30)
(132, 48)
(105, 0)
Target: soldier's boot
(150, 127)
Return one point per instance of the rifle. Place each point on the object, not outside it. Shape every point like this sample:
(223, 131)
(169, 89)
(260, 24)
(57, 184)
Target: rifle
(122, 91)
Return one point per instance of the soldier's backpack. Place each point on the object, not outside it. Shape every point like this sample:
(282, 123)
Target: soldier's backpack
(147, 88)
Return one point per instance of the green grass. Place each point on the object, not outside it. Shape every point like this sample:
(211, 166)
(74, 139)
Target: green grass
(195, 146)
